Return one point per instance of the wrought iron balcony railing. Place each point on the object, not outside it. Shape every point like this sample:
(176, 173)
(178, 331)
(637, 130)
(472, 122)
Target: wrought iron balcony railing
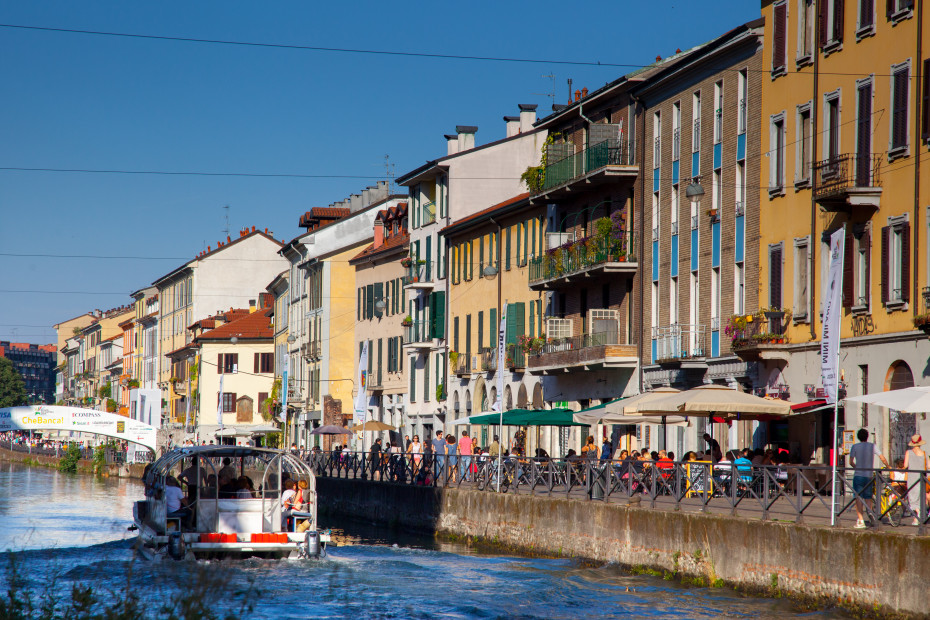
(607, 153)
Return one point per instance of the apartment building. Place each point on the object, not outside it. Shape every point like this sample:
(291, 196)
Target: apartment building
(65, 379)
(464, 181)
(379, 314)
(225, 276)
(322, 353)
(95, 352)
(844, 125)
(489, 276)
(36, 364)
(279, 290)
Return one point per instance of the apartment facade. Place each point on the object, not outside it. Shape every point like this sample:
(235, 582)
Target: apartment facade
(227, 276)
(488, 277)
(36, 364)
(379, 314)
(844, 125)
(466, 180)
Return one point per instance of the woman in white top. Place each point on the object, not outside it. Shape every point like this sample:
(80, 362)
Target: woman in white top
(915, 460)
(416, 452)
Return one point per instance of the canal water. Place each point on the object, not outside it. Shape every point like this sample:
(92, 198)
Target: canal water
(64, 530)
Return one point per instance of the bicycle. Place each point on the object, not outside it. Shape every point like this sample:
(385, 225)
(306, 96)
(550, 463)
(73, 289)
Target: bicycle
(893, 506)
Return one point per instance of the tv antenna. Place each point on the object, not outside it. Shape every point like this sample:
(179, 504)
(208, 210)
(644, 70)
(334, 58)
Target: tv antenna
(550, 94)
(389, 173)
(225, 231)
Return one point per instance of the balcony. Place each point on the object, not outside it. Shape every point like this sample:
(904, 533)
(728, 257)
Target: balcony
(760, 336)
(418, 274)
(488, 359)
(581, 353)
(845, 182)
(515, 358)
(461, 367)
(417, 335)
(583, 259)
(679, 344)
(600, 163)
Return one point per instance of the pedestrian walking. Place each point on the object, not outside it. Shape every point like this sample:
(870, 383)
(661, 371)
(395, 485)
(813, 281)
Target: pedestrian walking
(465, 455)
(915, 461)
(862, 456)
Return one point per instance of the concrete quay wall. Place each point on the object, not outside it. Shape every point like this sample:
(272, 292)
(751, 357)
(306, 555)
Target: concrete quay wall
(84, 465)
(878, 573)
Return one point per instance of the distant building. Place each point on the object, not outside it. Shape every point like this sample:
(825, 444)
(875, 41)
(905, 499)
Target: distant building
(36, 364)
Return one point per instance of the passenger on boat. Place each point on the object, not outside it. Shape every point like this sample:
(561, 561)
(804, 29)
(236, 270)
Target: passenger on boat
(176, 504)
(227, 470)
(302, 498)
(193, 477)
(288, 502)
(245, 488)
(229, 487)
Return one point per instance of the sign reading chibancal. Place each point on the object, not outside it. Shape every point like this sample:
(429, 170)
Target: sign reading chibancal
(76, 419)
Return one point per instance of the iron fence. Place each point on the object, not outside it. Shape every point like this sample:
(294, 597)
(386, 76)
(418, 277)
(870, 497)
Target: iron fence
(803, 494)
(606, 153)
(579, 256)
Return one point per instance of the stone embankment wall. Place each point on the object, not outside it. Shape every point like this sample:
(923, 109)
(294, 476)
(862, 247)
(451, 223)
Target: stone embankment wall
(84, 465)
(879, 573)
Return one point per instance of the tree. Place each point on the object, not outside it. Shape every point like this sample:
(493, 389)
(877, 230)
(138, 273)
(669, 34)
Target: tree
(12, 388)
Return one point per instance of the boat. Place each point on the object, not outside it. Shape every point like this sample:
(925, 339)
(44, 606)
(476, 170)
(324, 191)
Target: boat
(220, 522)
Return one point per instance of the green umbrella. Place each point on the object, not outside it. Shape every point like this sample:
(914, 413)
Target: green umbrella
(528, 417)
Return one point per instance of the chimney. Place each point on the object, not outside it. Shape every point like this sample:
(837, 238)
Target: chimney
(379, 234)
(252, 306)
(584, 92)
(265, 300)
(527, 116)
(452, 144)
(466, 136)
(513, 125)
(355, 202)
(253, 228)
(577, 96)
(366, 197)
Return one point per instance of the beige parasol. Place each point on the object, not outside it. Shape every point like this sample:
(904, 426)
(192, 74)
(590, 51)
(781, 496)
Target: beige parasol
(712, 399)
(373, 425)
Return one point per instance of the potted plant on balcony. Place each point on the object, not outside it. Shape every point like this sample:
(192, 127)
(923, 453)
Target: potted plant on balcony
(922, 322)
(454, 359)
(408, 321)
(133, 383)
(440, 392)
(406, 261)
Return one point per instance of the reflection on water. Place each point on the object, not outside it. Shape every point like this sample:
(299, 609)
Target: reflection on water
(75, 529)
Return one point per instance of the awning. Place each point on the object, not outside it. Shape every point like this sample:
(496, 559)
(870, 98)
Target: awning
(800, 407)
(528, 417)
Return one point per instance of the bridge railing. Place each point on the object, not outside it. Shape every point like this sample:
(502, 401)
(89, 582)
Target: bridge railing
(783, 492)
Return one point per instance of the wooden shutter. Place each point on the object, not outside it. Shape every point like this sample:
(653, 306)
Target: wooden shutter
(906, 262)
(925, 101)
(219, 364)
(865, 245)
(232, 402)
(886, 244)
(480, 256)
(838, 19)
(507, 250)
(775, 277)
(849, 271)
(379, 361)
(256, 363)
(358, 314)
(438, 314)
(778, 40)
(899, 112)
(889, 8)
(378, 294)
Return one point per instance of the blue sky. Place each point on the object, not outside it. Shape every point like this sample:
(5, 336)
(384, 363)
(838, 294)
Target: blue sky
(94, 102)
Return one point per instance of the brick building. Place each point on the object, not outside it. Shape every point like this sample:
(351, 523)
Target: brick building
(36, 364)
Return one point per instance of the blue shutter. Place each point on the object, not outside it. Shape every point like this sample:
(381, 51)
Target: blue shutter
(674, 266)
(694, 249)
(655, 261)
(740, 239)
(715, 243)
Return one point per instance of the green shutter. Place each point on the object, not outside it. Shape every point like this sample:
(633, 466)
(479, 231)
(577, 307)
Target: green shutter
(480, 256)
(507, 250)
(471, 261)
(516, 313)
(359, 308)
(495, 327)
(426, 379)
(429, 259)
(379, 362)
(480, 330)
(378, 294)
(519, 242)
(413, 383)
(371, 356)
(369, 301)
(399, 352)
(533, 237)
(532, 318)
(437, 310)
(526, 232)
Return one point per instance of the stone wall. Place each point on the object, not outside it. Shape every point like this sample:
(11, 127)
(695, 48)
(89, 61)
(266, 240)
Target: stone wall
(874, 572)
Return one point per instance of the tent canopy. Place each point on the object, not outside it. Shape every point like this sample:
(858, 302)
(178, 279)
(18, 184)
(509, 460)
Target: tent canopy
(713, 399)
(906, 400)
(528, 417)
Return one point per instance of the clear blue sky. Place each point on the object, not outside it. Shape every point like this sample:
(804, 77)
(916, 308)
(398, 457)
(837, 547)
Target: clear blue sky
(94, 102)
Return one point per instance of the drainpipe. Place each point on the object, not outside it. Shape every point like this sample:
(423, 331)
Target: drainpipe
(642, 239)
(917, 140)
(815, 106)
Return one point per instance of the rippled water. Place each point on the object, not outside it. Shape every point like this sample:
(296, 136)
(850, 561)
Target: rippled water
(73, 529)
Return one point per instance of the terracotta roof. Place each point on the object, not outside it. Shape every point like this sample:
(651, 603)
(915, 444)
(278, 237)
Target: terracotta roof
(490, 210)
(127, 322)
(189, 345)
(390, 243)
(316, 214)
(111, 338)
(253, 326)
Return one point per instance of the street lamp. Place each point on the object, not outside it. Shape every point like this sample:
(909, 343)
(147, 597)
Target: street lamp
(490, 271)
(291, 339)
(695, 191)
(380, 306)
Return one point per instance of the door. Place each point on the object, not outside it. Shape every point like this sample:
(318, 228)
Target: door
(864, 137)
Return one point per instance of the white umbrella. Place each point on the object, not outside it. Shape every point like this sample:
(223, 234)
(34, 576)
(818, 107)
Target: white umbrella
(907, 400)
(711, 399)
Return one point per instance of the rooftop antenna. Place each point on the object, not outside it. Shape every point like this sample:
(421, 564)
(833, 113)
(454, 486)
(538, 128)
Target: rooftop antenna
(225, 231)
(389, 173)
(551, 94)
(569, 91)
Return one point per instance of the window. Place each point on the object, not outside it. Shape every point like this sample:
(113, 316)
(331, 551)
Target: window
(717, 191)
(864, 132)
(777, 154)
(775, 264)
(802, 173)
(896, 272)
(899, 87)
(696, 131)
(739, 292)
(676, 131)
(655, 217)
(806, 24)
(718, 112)
(801, 278)
(229, 402)
(898, 9)
(831, 133)
(743, 90)
(657, 140)
(672, 301)
(674, 209)
(831, 24)
(264, 362)
(779, 36)
(227, 363)
(866, 19)
(655, 304)
(856, 269)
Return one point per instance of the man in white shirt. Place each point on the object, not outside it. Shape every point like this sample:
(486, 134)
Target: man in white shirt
(287, 502)
(175, 501)
(862, 457)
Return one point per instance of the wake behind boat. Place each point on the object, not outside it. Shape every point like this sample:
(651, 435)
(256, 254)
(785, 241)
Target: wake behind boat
(223, 512)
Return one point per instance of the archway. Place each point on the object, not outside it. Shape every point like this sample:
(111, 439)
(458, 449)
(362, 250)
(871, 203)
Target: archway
(522, 400)
(538, 396)
(492, 399)
(455, 401)
(468, 407)
(508, 398)
(900, 425)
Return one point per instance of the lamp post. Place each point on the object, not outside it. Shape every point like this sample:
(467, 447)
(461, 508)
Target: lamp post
(695, 191)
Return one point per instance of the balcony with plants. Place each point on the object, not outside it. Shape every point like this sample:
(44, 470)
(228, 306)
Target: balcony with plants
(488, 359)
(459, 363)
(602, 346)
(603, 253)
(922, 321)
(418, 274)
(417, 334)
(559, 173)
(759, 336)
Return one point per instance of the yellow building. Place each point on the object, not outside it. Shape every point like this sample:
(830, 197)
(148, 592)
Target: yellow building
(489, 256)
(844, 131)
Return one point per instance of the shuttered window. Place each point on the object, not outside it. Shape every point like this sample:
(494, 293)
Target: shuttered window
(925, 101)
(849, 297)
(899, 78)
(775, 265)
(780, 27)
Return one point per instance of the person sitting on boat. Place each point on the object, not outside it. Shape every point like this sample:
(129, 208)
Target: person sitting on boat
(245, 488)
(227, 470)
(193, 477)
(175, 501)
(288, 502)
(229, 487)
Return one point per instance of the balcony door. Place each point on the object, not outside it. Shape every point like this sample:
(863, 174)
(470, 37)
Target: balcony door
(864, 136)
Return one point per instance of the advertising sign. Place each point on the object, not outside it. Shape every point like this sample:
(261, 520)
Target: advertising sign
(76, 419)
(833, 308)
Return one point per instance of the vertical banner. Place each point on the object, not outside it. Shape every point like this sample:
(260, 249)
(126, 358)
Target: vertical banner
(501, 361)
(219, 404)
(832, 296)
(361, 397)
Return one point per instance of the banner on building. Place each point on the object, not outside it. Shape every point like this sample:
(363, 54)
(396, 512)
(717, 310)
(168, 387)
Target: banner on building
(219, 405)
(77, 420)
(361, 397)
(833, 308)
(284, 373)
(501, 360)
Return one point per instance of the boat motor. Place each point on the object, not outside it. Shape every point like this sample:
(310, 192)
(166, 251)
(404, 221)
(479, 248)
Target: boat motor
(312, 541)
(176, 547)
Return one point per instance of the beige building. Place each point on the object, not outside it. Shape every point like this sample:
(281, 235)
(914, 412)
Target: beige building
(379, 315)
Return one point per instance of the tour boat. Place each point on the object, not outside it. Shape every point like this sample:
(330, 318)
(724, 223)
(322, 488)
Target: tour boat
(221, 522)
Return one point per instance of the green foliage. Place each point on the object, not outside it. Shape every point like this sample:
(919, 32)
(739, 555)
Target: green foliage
(69, 462)
(105, 390)
(133, 383)
(440, 392)
(534, 177)
(100, 459)
(112, 406)
(12, 388)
